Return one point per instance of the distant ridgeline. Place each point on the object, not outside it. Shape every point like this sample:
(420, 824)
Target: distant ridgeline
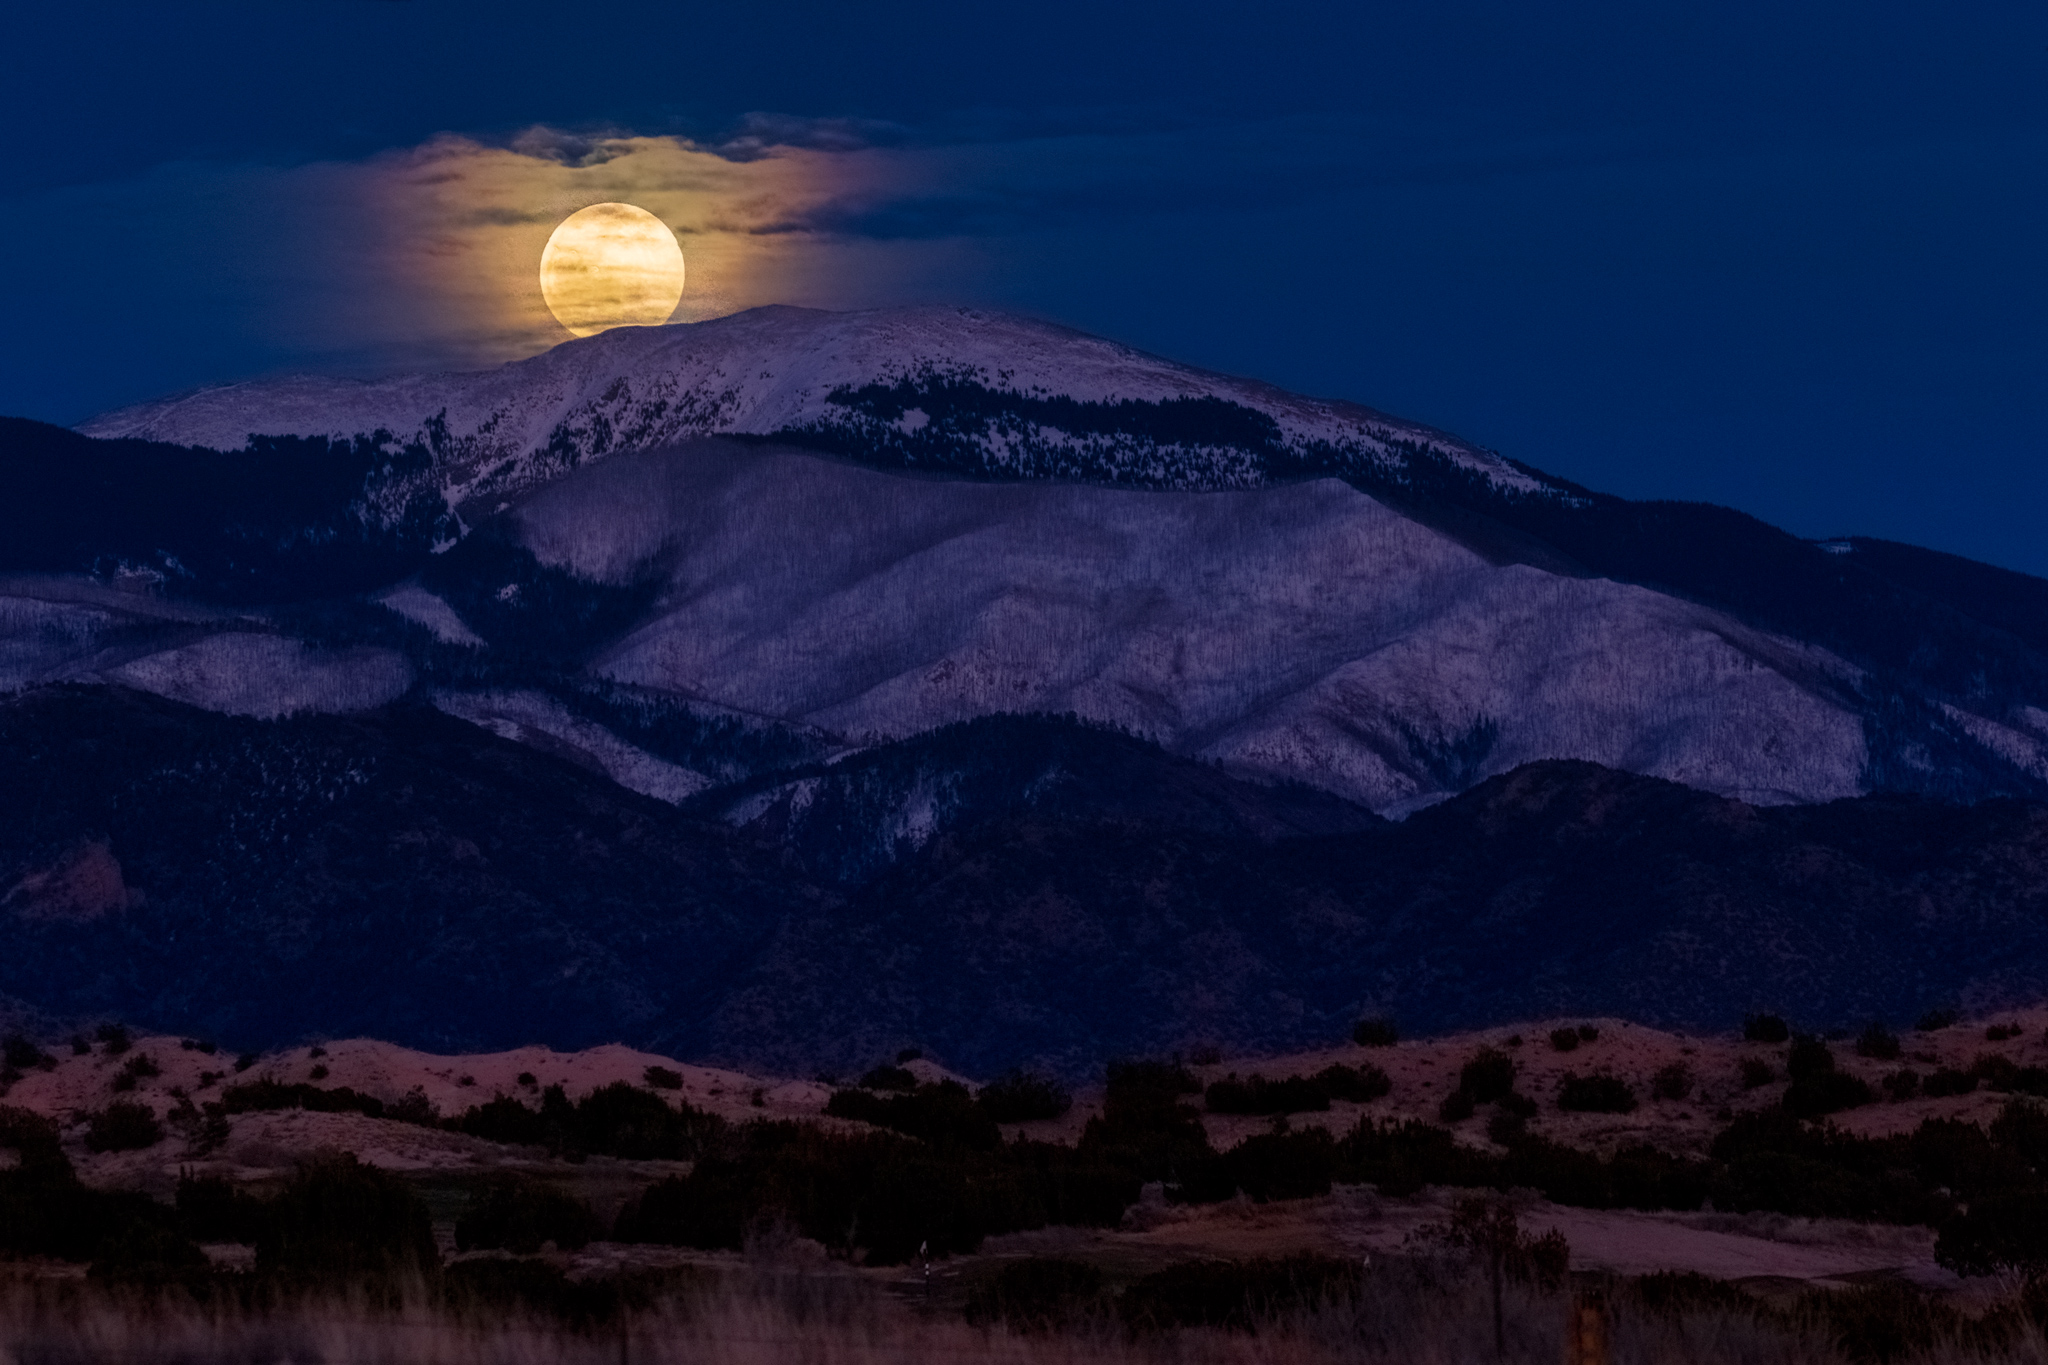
(1072, 895)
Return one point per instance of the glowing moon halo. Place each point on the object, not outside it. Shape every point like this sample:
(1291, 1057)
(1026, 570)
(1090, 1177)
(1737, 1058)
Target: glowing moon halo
(611, 265)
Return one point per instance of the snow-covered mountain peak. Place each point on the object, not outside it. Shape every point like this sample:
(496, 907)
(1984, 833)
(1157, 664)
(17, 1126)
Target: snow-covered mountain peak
(947, 389)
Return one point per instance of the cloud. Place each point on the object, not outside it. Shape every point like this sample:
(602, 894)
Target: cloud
(543, 143)
(428, 256)
(762, 134)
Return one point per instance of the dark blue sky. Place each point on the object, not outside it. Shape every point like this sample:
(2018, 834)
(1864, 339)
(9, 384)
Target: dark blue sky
(1793, 258)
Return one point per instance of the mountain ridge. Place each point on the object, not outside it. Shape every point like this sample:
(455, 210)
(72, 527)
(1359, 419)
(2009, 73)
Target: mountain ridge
(942, 514)
(402, 874)
(790, 372)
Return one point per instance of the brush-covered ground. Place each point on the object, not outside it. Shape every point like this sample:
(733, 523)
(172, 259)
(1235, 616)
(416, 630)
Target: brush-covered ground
(167, 1200)
(178, 1080)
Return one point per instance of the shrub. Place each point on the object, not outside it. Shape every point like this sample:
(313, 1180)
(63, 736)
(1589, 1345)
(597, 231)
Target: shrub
(1288, 1095)
(1518, 1104)
(1825, 1092)
(212, 1210)
(123, 1126)
(1773, 1160)
(875, 1192)
(1020, 1097)
(657, 1078)
(1903, 1084)
(1355, 1084)
(1994, 1071)
(1999, 1232)
(114, 1038)
(22, 1055)
(1765, 1028)
(1879, 1043)
(888, 1078)
(940, 1113)
(1289, 1165)
(1596, 1094)
(521, 1215)
(910, 1054)
(414, 1107)
(319, 1072)
(45, 1211)
(1507, 1128)
(1672, 1082)
(506, 1120)
(199, 1045)
(528, 1080)
(1998, 1033)
(140, 1067)
(1756, 1072)
(1144, 1129)
(1400, 1158)
(1948, 1082)
(1457, 1107)
(1564, 1039)
(339, 1221)
(1297, 1094)
(2022, 1129)
(1934, 1021)
(1378, 1031)
(1488, 1075)
(1588, 1033)
(244, 1062)
(1038, 1293)
(1489, 1230)
(1808, 1057)
(638, 1125)
(267, 1095)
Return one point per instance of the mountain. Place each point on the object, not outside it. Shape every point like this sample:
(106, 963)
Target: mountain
(796, 687)
(861, 527)
(849, 820)
(940, 389)
(402, 874)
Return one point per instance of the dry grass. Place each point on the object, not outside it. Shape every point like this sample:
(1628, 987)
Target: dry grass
(1413, 1314)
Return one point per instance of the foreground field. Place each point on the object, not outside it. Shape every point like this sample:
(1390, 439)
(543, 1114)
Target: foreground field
(634, 1249)
(1411, 1311)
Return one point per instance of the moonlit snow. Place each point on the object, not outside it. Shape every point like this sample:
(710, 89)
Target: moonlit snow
(1286, 627)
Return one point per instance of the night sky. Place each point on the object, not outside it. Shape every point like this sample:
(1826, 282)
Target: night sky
(1788, 257)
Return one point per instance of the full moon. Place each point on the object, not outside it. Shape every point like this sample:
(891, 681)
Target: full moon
(611, 265)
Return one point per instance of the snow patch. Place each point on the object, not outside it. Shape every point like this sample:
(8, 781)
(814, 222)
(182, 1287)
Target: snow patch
(247, 674)
(2027, 752)
(537, 720)
(416, 604)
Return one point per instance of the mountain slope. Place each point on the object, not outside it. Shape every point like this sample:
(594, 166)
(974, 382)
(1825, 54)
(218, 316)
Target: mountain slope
(1303, 631)
(918, 517)
(850, 819)
(401, 874)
